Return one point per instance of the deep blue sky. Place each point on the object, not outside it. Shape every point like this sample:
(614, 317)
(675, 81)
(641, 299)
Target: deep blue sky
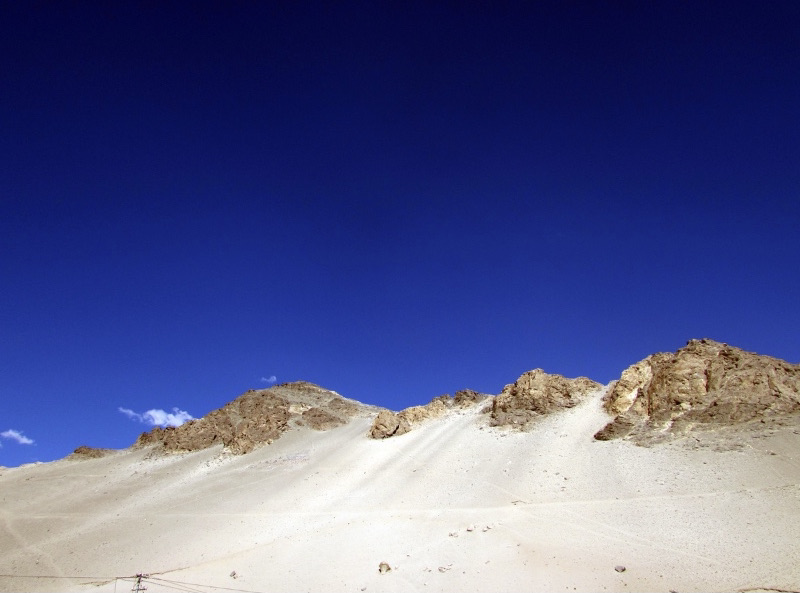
(393, 200)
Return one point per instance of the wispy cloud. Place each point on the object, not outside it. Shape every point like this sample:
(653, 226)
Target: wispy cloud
(131, 414)
(270, 379)
(15, 435)
(157, 417)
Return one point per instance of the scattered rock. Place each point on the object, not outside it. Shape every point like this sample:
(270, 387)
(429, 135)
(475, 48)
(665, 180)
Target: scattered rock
(620, 568)
(384, 567)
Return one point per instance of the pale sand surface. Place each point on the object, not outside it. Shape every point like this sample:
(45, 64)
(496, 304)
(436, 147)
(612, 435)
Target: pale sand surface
(449, 506)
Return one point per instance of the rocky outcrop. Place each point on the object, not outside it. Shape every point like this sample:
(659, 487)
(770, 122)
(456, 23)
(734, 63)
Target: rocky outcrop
(706, 384)
(257, 417)
(535, 394)
(320, 419)
(86, 452)
(467, 398)
(389, 424)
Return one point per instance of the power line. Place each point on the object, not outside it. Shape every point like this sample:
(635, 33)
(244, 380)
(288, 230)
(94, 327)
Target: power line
(44, 576)
(176, 586)
(137, 580)
(206, 586)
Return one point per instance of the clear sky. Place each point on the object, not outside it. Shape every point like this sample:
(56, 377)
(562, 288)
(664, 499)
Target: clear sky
(392, 200)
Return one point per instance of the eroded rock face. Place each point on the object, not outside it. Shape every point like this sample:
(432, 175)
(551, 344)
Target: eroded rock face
(389, 424)
(535, 394)
(257, 417)
(703, 385)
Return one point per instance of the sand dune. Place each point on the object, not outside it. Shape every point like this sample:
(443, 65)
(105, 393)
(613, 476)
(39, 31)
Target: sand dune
(452, 505)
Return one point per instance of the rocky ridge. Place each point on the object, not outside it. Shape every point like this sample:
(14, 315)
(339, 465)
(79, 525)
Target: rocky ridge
(258, 416)
(388, 424)
(703, 386)
(535, 394)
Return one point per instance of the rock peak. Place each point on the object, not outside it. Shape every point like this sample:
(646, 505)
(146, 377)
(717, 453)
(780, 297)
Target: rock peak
(258, 417)
(704, 384)
(537, 393)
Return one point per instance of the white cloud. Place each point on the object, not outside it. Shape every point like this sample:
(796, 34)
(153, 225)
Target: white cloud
(156, 417)
(270, 379)
(131, 414)
(16, 435)
(162, 418)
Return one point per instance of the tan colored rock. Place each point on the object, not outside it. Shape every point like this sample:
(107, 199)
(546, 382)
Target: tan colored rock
(388, 423)
(85, 452)
(258, 417)
(344, 408)
(320, 419)
(467, 397)
(249, 420)
(706, 384)
(537, 393)
(417, 414)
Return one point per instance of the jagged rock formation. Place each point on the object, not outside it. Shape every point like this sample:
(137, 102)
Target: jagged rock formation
(388, 423)
(537, 393)
(705, 384)
(258, 417)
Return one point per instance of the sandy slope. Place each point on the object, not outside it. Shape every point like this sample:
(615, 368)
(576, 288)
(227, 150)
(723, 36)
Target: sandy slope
(452, 505)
